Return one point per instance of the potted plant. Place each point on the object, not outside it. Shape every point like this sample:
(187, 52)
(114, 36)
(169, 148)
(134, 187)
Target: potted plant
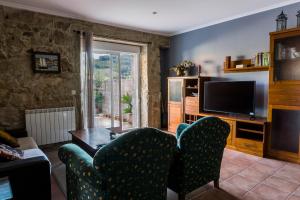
(127, 99)
(183, 68)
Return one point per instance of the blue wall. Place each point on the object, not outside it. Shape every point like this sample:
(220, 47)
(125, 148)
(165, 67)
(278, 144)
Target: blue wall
(241, 37)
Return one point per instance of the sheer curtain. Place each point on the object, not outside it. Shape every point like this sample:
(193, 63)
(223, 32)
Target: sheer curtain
(86, 74)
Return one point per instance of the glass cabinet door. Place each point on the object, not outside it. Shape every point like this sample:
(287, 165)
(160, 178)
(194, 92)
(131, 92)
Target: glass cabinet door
(175, 90)
(287, 59)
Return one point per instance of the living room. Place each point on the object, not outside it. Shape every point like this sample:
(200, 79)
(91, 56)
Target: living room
(83, 83)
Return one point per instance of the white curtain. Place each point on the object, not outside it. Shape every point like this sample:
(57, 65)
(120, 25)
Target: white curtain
(86, 74)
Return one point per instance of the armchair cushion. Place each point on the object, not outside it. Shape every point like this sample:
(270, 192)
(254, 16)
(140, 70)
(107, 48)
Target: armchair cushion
(7, 139)
(27, 143)
(8, 153)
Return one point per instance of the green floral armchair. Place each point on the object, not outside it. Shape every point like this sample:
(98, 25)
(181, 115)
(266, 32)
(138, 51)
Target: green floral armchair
(200, 152)
(134, 166)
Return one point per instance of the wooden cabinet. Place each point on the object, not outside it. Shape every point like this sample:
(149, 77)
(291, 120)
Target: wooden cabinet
(245, 135)
(175, 103)
(185, 95)
(284, 95)
(185, 104)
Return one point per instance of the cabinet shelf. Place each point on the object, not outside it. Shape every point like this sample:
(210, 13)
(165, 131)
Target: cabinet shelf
(251, 131)
(192, 88)
(287, 60)
(247, 69)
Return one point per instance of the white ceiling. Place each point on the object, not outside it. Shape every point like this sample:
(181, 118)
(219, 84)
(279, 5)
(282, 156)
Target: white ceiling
(173, 16)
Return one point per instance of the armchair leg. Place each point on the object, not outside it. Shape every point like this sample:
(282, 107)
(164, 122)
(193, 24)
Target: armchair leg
(216, 184)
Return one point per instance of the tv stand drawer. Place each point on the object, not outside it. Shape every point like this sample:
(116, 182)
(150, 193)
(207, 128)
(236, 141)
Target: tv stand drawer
(249, 146)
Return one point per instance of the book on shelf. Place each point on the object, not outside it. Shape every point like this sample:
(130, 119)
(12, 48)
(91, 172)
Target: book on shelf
(262, 59)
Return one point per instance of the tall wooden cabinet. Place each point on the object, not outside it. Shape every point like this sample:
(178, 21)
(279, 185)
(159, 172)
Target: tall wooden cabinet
(284, 95)
(175, 103)
(185, 95)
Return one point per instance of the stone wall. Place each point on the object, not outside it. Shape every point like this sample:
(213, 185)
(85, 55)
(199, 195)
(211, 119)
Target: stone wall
(22, 32)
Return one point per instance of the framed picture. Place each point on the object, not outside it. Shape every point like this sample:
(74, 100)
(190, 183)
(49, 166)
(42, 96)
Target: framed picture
(46, 62)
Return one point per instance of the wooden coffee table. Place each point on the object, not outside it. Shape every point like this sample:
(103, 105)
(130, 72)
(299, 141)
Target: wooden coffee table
(91, 140)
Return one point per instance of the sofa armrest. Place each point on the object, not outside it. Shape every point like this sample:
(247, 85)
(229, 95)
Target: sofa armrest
(11, 166)
(80, 163)
(180, 128)
(27, 176)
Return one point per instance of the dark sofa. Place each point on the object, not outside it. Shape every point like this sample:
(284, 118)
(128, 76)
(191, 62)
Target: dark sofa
(29, 177)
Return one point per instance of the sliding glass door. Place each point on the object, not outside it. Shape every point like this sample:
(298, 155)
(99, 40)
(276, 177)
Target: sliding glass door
(116, 90)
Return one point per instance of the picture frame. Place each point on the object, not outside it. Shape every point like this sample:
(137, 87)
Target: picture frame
(44, 62)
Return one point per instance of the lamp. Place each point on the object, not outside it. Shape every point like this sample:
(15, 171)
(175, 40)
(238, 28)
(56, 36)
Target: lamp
(281, 21)
(298, 19)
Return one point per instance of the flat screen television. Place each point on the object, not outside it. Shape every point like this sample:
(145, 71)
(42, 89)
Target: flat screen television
(230, 97)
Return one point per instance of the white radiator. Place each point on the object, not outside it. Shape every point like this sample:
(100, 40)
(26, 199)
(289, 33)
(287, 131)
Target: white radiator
(50, 125)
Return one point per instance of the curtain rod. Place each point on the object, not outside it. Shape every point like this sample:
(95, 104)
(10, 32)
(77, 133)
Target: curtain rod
(101, 38)
(120, 41)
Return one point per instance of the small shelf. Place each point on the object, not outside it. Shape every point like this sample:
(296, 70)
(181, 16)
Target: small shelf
(247, 69)
(192, 88)
(250, 131)
(249, 136)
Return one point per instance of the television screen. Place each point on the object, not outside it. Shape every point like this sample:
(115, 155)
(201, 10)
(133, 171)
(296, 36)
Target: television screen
(229, 96)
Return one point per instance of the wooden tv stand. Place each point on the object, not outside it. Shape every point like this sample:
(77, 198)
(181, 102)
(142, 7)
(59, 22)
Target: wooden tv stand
(185, 104)
(245, 135)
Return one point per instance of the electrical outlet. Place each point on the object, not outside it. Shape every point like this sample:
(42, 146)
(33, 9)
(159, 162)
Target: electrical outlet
(73, 92)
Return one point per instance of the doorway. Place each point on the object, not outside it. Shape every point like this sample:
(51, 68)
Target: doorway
(116, 86)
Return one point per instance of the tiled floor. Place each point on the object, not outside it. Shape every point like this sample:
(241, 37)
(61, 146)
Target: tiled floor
(253, 178)
(57, 194)
(244, 176)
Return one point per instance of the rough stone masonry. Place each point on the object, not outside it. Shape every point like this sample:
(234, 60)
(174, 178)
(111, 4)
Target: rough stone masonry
(22, 32)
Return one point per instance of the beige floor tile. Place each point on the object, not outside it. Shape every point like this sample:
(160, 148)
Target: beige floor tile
(242, 162)
(297, 192)
(251, 196)
(281, 184)
(293, 197)
(265, 169)
(272, 163)
(225, 174)
(253, 174)
(289, 173)
(242, 182)
(264, 191)
(233, 190)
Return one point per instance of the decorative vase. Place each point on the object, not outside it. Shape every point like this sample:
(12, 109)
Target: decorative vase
(187, 72)
(180, 72)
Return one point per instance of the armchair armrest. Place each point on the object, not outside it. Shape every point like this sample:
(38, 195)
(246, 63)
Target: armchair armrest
(80, 163)
(180, 128)
(27, 176)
